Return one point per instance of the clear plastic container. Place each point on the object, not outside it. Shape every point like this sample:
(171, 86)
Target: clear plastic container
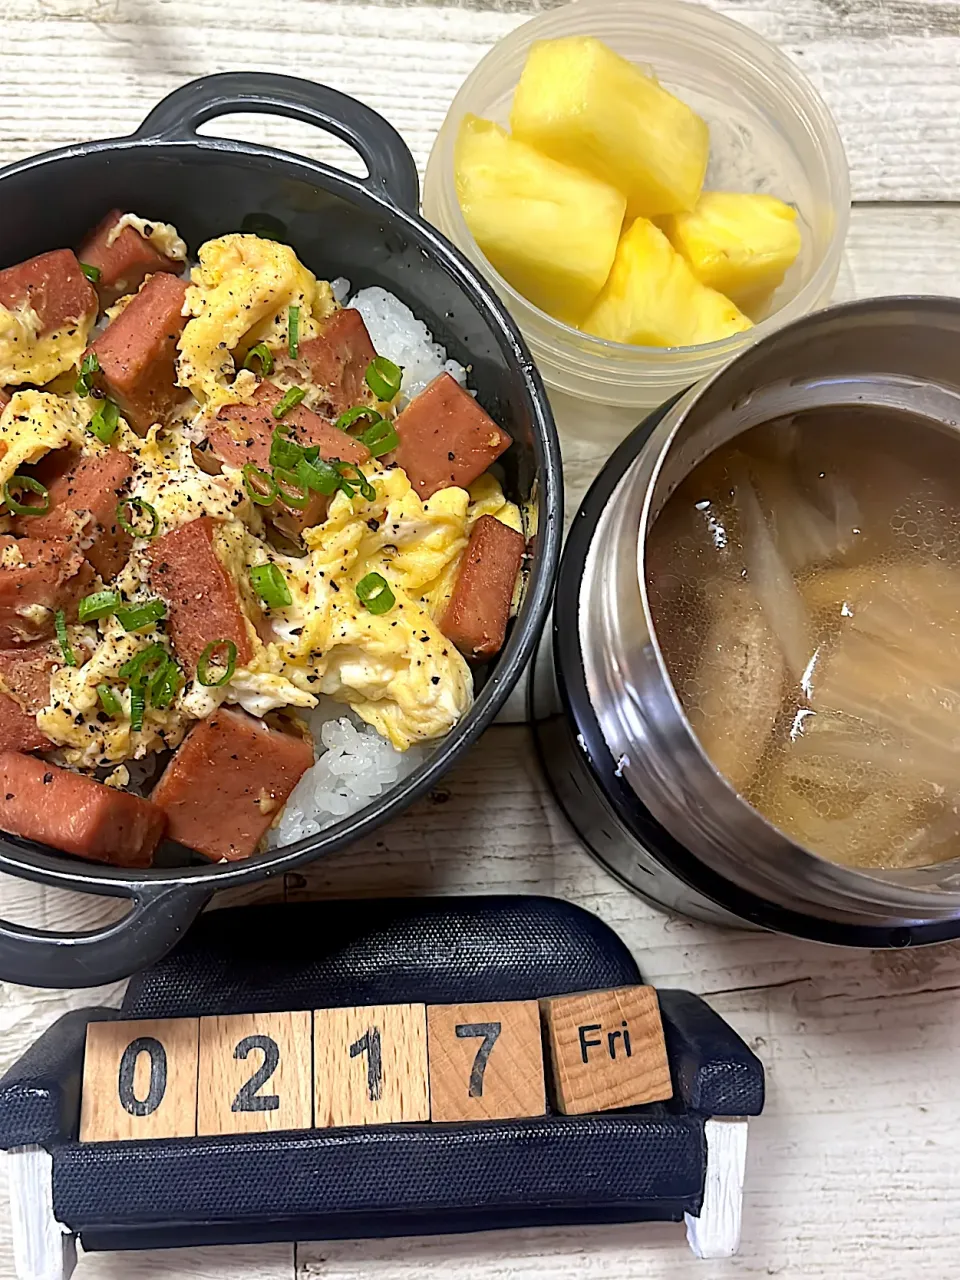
(769, 131)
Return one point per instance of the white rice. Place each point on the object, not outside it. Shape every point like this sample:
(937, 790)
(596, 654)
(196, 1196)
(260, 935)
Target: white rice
(355, 764)
(397, 334)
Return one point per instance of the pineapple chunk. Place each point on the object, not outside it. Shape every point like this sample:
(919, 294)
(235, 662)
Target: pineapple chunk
(583, 104)
(740, 244)
(550, 230)
(653, 299)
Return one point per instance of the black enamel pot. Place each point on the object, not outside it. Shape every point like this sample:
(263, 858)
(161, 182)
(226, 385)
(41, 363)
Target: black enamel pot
(369, 232)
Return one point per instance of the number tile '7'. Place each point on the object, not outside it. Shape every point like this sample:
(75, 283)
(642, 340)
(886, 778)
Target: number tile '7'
(486, 1061)
(254, 1073)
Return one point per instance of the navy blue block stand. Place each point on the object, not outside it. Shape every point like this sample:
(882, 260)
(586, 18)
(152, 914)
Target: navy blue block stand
(666, 1161)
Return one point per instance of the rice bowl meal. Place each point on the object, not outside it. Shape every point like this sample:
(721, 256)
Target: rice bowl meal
(247, 519)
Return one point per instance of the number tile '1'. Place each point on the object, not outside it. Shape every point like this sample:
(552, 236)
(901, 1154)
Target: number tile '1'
(486, 1061)
(370, 1065)
(140, 1080)
(254, 1073)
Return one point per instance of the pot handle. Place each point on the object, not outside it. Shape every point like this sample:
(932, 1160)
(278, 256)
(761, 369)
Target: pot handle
(391, 168)
(159, 916)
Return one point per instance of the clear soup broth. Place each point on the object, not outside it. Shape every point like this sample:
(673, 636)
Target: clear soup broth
(804, 582)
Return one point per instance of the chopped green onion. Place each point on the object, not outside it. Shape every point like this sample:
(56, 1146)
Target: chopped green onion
(103, 424)
(89, 365)
(374, 593)
(142, 665)
(164, 685)
(92, 273)
(319, 476)
(298, 496)
(144, 509)
(381, 438)
(284, 452)
(206, 675)
(260, 485)
(60, 623)
(293, 332)
(22, 484)
(97, 605)
(348, 418)
(361, 481)
(138, 706)
(138, 617)
(383, 377)
(270, 585)
(290, 399)
(109, 700)
(262, 353)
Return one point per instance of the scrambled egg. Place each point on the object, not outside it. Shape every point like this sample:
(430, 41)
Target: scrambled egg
(33, 423)
(26, 355)
(240, 295)
(164, 238)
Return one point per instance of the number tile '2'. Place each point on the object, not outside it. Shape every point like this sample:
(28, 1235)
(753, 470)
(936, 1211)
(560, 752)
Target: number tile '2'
(254, 1073)
(486, 1061)
(140, 1080)
(370, 1065)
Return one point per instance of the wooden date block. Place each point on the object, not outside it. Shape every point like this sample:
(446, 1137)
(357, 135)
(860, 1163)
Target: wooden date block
(140, 1080)
(606, 1049)
(370, 1065)
(486, 1061)
(254, 1073)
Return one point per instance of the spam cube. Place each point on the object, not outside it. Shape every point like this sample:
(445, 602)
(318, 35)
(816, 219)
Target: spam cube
(479, 609)
(336, 361)
(202, 598)
(42, 802)
(486, 1061)
(137, 353)
(25, 683)
(140, 1080)
(228, 780)
(84, 493)
(446, 438)
(55, 289)
(38, 577)
(606, 1049)
(19, 730)
(255, 1073)
(123, 257)
(243, 433)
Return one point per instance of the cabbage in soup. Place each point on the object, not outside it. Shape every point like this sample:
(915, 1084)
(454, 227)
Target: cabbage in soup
(804, 583)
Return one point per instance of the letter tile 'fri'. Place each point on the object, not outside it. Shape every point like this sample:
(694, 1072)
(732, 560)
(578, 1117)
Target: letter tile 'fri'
(370, 1065)
(606, 1049)
(486, 1061)
(254, 1073)
(140, 1080)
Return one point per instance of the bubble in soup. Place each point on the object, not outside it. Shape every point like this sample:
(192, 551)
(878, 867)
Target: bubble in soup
(804, 583)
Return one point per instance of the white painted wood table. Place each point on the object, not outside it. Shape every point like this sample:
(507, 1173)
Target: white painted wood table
(854, 1169)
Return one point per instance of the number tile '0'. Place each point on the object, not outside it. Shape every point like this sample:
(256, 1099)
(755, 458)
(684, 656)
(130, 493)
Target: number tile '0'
(370, 1065)
(254, 1073)
(140, 1080)
(486, 1061)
